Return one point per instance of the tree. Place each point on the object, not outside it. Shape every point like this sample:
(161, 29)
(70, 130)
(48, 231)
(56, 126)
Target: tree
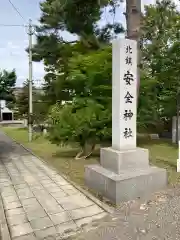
(76, 17)
(22, 102)
(84, 122)
(160, 58)
(40, 108)
(7, 83)
(79, 19)
(90, 75)
(87, 119)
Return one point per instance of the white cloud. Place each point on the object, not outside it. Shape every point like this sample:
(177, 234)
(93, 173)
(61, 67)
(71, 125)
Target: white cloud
(38, 70)
(15, 53)
(11, 45)
(26, 42)
(21, 77)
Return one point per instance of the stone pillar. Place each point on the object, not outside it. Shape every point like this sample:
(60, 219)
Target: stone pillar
(25, 123)
(124, 84)
(178, 160)
(124, 173)
(174, 129)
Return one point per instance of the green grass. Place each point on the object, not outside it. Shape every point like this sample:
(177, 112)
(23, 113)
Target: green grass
(162, 154)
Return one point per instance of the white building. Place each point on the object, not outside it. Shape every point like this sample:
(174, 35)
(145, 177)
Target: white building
(6, 113)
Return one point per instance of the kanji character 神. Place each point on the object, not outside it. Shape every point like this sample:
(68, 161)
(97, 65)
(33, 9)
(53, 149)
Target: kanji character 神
(128, 115)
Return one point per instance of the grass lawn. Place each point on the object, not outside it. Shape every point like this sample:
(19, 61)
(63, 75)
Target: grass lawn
(162, 154)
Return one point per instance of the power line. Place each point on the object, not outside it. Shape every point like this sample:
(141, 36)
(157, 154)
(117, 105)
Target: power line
(16, 10)
(12, 25)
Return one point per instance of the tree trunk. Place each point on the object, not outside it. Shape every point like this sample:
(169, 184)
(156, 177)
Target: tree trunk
(133, 22)
(86, 151)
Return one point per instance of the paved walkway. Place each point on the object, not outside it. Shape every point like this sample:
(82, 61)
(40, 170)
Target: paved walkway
(39, 203)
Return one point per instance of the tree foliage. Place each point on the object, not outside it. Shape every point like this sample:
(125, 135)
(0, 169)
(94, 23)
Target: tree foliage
(7, 84)
(22, 102)
(83, 121)
(160, 59)
(89, 112)
(79, 19)
(39, 107)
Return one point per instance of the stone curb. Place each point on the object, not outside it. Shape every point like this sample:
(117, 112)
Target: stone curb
(4, 231)
(104, 206)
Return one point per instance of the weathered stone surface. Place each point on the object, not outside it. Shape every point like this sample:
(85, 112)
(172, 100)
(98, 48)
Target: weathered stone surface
(30, 201)
(84, 221)
(21, 186)
(67, 227)
(20, 230)
(69, 189)
(41, 234)
(32, 207)
(15, 211)
(38, 213)
(118, 161)
(27, 237)
(60, 218)
(9, 199)
(17, 219)
(76, 201)
(24, 193)
(46, 181)
(4, 231)
(12, 205)
(126, 186)
(41, 223)
(85, 212)
(8, 191)
(53, 209)
(36, 187)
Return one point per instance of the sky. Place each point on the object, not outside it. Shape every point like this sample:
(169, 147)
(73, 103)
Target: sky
(14, 40)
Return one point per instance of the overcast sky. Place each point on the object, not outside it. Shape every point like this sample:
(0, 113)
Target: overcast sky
(14, 40)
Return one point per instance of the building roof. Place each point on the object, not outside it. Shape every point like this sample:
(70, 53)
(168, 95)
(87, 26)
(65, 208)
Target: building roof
(6, 110)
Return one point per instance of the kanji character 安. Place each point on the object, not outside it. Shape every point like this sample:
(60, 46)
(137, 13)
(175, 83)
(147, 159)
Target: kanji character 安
(128, 78)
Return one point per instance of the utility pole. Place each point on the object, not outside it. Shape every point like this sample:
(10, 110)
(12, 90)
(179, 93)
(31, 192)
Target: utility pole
(30, 120)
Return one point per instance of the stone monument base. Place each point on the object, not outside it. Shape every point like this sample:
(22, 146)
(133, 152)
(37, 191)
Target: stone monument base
(124, 176)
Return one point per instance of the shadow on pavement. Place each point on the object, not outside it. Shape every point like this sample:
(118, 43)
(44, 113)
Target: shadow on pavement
(8, 146)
